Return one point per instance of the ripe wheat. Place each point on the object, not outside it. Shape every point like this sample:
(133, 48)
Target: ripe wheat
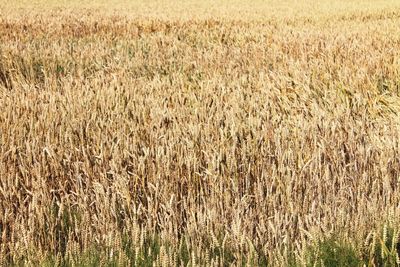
(144, 136)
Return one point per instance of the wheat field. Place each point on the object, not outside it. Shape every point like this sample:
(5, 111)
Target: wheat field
(199, 133)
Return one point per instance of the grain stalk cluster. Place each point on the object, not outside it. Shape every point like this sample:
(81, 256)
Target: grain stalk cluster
(210, 141)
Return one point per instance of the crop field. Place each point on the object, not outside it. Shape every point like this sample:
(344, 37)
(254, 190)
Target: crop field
(200, 133)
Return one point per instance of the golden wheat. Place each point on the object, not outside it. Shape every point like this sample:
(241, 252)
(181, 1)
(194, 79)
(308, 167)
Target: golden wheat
(236, 137)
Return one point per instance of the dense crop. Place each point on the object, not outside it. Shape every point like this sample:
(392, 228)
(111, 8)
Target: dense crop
(225, 139)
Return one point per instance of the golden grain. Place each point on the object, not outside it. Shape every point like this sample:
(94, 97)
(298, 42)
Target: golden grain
(239, 134)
